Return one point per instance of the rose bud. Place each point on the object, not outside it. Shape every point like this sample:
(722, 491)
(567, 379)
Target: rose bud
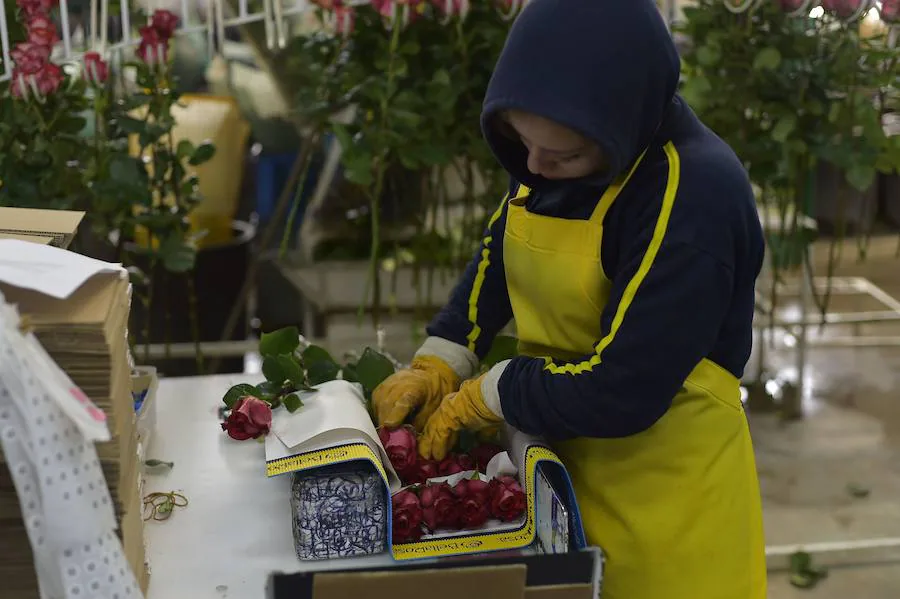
(29, 57)
(400, 446)
(483, 454)
(474, 502)
(164, 22)
(250, 418)
(95, 69)
(440, 508)
(507, 498)
(424, 469)
(406, 514)
(449, 465)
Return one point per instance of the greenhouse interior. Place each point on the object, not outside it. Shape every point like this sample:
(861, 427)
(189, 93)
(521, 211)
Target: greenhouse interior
(287, 299)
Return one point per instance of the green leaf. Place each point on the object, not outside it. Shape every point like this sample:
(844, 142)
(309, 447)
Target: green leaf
(784, 127)
(152, 463)
(177, 255)
(803, 580)
(504, 347)
(281, 341)
(441, 77)
(861, 176)
(268, 391)
(373, 368)
(123, 169)
(857, 490)
(349, 373)
(130, 125)
(320, 366)
(273, 371)
(291, 368)
(322, 372)
(292, 402)
(800, 561)
(72, 124)
(696, 89)
(708, 55)
(203, 153)
(185, 149)
(238, 391)
(767, 59)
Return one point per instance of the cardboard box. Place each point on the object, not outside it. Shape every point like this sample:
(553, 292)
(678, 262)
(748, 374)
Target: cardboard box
(56, 227)
(576, 575)
(541, 473)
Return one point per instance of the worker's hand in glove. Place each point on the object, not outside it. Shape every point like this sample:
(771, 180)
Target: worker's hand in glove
(420, 387)
(463, 410)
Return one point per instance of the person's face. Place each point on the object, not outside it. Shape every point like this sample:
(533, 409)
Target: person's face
(554, 151)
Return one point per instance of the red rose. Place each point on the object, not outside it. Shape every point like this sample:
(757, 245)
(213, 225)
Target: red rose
(30, 58)
(153, 49)
(843, 8)
(424, 470)
(890, 11)
(18, 85)
(452, 7)
(507, 498)
(474, 502)
(791, 5)
(344, 19)
(483, 454)
(35, 7)
(440, 508)
(406, 515)
(400, 446)
(250, 418)
(42, 31)
(95, 69)
(48, 79)
(450, 465)
(165, 22)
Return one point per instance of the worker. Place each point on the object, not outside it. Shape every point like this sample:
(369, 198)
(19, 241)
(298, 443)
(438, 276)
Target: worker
(626, 252)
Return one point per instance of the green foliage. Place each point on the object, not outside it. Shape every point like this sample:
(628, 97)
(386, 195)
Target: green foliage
(291, 366)
(790, 93)
(415, 93)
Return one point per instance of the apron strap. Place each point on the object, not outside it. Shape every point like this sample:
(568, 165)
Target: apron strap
(612, 192)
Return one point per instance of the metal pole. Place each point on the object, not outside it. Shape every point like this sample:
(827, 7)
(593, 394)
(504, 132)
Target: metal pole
(837, 553)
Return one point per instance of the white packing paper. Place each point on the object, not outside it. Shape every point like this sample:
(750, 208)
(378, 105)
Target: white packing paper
(335, 414)
(46, 269)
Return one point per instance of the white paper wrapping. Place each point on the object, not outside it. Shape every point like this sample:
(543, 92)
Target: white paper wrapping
(47, 430)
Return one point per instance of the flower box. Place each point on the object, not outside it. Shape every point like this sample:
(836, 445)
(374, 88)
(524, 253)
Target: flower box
(342, 482)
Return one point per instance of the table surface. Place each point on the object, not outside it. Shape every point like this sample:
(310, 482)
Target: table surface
(236, 529)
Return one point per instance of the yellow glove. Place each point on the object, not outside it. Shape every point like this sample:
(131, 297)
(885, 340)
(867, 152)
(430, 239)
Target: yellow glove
(421, 387)
(464, 410)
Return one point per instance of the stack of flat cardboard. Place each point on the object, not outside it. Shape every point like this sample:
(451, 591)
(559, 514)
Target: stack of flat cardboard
(86, 334)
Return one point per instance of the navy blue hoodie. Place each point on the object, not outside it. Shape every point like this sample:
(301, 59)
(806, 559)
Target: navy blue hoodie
(609, 70)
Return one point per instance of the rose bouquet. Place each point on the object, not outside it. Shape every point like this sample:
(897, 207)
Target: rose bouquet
(452, 495)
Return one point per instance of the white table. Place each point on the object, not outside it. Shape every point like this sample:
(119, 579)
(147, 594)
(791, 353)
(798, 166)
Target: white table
(236, 529)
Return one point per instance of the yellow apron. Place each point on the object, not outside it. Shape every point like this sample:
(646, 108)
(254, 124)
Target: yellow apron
(675, 508)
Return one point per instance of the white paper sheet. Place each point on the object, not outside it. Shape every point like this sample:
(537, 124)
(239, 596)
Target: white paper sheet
(46, 269)
(333, 415)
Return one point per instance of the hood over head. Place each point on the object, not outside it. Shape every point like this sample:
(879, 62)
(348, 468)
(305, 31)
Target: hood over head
(605, 68)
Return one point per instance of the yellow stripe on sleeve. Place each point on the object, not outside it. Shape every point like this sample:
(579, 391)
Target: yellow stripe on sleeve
(659, 233)
(483, 264)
